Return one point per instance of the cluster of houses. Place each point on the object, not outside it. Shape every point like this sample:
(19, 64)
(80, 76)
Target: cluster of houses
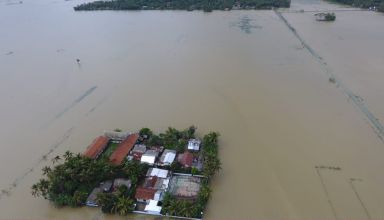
(158, 156)
(158, 179)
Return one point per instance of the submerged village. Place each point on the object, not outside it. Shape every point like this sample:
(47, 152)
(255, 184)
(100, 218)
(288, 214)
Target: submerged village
(122, 172)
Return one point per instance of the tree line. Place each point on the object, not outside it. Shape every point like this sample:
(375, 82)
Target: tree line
(205, 5)
(379, 4)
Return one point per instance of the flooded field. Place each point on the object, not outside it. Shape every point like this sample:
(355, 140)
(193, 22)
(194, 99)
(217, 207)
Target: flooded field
(294, 145)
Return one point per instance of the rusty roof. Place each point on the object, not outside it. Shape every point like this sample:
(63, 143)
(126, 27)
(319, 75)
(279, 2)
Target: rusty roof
(96, 147)
(186, 159)
(123, 149)
(145, 193)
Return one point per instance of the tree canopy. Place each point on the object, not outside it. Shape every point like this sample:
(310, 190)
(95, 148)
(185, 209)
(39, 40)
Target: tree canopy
(363, 3)
(205, 5)
(69, 183)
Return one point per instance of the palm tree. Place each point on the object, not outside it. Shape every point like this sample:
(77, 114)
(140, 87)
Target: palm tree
(56, 159)
(67, 155)
(124, 205)
(46, 170)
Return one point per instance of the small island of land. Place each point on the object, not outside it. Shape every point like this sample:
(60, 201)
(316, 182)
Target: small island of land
(205, 5)
(121, 172)
(325, 16)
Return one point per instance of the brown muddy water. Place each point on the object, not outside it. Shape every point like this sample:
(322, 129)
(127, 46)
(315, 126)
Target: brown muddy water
(242, 73)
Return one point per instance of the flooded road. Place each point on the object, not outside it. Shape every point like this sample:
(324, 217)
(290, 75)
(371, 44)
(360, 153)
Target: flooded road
(284, 126)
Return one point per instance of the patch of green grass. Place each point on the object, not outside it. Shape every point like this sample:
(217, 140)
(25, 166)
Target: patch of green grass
(109, 150)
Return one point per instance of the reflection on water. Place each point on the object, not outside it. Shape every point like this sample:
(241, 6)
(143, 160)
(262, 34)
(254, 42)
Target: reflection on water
(245, 25)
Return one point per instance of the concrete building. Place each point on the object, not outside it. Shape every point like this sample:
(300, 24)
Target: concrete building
(194, 144)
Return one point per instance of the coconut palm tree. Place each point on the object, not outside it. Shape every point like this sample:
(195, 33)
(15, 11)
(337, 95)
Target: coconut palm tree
(124, 205)
(46, 170)
(67, 155)
(56, 159)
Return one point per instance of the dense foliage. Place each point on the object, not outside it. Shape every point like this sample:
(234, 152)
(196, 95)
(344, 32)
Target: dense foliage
(69, 183)
(330, 16)
(212, 162)
(206, 5)
(186, 208)
(121, 202)
(363, 3)
(172, 138)
(74, 176)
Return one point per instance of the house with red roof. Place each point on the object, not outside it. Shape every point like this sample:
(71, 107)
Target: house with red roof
(96, 148)
(121, 152)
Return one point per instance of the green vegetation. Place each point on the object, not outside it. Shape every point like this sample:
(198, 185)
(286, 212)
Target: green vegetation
(121, 202)
(187, 208)
(363, 3)
(330, 16)
(212, 162)
(205, 5)
(69, 183)
(73, 176)
(195, 207)
(110, 148)
(172, 139)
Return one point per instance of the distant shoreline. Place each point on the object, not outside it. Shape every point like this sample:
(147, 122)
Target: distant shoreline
(199, 5)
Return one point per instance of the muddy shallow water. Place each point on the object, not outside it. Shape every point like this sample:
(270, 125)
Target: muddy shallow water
(241, 73)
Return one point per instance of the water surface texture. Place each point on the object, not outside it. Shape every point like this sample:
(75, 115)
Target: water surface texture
(285, 127)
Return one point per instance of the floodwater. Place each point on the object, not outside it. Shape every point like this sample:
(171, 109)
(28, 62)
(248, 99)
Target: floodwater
(245, 74)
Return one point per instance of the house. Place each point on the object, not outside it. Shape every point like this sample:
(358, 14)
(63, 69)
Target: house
(106, 186)
(158, 195)
(150, 182)
(91, 200)
(138, 151)
(149, 157)
(118, 156)
(144, 194)
(116, 135)
(152, 207)
(161, 183)
(161, 173)
(158, 149)
(194, 144)
(121, 182)
(97, 147)
(167, 157)
(185, 159)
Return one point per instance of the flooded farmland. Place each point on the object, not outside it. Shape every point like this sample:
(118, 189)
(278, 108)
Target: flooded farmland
(294, 145)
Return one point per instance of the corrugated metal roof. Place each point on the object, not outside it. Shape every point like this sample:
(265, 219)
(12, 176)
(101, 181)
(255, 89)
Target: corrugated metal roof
(123, 149)
(150, 159)
(157, 172)
(168, 157)
(97, 147)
